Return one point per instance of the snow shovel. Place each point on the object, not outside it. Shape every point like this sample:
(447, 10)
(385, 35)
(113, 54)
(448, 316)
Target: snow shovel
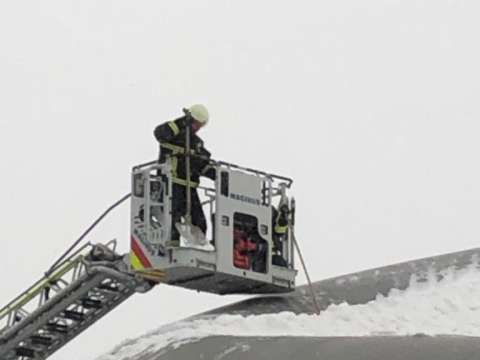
(192, 234)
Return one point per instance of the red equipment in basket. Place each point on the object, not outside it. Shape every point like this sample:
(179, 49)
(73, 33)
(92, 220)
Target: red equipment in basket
(242, 249)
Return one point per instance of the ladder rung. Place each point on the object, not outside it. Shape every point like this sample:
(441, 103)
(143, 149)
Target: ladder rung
(91, 303)
(57, 328)
(25, 352)
(108, 287)
(73, 315)
(41, 340)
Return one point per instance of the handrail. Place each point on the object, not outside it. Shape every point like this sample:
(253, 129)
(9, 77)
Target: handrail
(229, 165)
(258, 172)
(43, 283)
(36, 289)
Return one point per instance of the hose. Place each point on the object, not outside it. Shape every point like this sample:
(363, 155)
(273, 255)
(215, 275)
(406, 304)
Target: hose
(79, 240)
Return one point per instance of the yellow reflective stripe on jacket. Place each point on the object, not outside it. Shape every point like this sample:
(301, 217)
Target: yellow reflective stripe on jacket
(281, 229)
(174, 128)
(182, 182)
(174, 162)
(174, 148)
(175, 178)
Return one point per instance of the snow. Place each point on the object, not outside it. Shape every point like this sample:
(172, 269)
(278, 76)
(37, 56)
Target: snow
(433, 307)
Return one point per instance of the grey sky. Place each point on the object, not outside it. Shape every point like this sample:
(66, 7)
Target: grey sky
(371, 106)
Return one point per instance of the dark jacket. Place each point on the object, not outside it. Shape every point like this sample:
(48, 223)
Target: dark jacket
(172, 138)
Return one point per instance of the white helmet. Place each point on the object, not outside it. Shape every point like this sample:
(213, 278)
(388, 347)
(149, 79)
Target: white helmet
(200, 113)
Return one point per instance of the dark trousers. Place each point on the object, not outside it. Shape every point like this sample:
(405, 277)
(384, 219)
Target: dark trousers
(179, 209)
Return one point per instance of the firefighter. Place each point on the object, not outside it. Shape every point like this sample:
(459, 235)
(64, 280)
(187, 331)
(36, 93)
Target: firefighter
(172, 138)
(280, 231)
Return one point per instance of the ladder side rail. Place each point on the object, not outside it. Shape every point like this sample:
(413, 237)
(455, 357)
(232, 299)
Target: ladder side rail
(20, 333)
(24, 299)
(38, 286)
(38, 290)
(33, 291)
(47, 306)
(69, 296)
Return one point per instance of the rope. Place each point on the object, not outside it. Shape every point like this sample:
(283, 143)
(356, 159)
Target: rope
(314, 297)
(75, 244)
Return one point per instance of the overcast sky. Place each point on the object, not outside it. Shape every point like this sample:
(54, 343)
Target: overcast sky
(371, 106)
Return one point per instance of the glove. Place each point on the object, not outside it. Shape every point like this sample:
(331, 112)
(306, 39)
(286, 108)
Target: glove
(200, 150)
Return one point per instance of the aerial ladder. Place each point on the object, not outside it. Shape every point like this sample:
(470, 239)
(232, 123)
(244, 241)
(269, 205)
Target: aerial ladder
(78, 292)
(241, 254)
